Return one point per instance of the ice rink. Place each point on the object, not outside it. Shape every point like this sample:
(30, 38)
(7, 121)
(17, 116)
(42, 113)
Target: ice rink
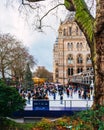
(68, 102)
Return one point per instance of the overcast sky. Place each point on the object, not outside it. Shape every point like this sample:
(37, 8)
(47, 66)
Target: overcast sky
(13, 20)
(19, 21)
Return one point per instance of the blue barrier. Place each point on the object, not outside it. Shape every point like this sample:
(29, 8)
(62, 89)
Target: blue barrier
(40, 105)
(48, 108)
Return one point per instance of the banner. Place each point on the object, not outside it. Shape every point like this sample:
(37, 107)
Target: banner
(40, 105)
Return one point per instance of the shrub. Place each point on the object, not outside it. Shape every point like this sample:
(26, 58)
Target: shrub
(90, 118)
(45, 124)
(10, 100)
(6, 124)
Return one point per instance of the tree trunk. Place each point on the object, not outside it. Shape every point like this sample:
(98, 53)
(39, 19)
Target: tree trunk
(99, 63)
(2, 72)
(99, 66)
(96, 44)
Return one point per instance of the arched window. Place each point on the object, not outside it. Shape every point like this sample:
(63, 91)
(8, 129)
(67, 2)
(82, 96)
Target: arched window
(88, 59)
(76, 30)
(70, 46)
(64, 32)
(70, 71)
(60, 33)
(70, 31)
(70, 59)
(79, 70)
(56, 70)
(56, 75)
(79, 59)
(79, 46)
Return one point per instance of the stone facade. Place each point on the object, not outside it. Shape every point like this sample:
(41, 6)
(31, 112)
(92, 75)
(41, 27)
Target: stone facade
(71, 54)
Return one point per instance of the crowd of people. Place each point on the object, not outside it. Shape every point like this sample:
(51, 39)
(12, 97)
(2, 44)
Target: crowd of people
(41, 92)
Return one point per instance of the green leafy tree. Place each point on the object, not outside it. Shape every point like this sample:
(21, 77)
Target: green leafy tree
(10, 100)
(29, 84)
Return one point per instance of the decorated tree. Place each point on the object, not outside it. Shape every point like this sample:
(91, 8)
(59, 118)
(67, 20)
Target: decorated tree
(29, 84)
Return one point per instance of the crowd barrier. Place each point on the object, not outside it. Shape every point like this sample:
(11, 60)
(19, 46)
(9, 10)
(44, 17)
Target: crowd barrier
(59, 104)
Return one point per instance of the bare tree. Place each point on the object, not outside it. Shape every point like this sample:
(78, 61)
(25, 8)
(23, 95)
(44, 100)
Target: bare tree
(13, 57)
(7, 43)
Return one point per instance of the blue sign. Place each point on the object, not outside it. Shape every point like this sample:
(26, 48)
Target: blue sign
(40, 105)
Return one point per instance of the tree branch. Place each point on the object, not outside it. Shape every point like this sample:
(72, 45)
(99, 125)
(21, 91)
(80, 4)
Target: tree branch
(28, 4)
(51, 10)
(47, 14)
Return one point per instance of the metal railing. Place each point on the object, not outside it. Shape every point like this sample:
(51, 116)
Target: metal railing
(62, 104)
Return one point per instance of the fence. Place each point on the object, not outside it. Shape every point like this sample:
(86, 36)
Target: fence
(59, 104)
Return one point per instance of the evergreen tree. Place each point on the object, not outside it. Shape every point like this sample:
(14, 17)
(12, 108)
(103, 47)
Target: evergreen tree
(29, 84)
(10, 100)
